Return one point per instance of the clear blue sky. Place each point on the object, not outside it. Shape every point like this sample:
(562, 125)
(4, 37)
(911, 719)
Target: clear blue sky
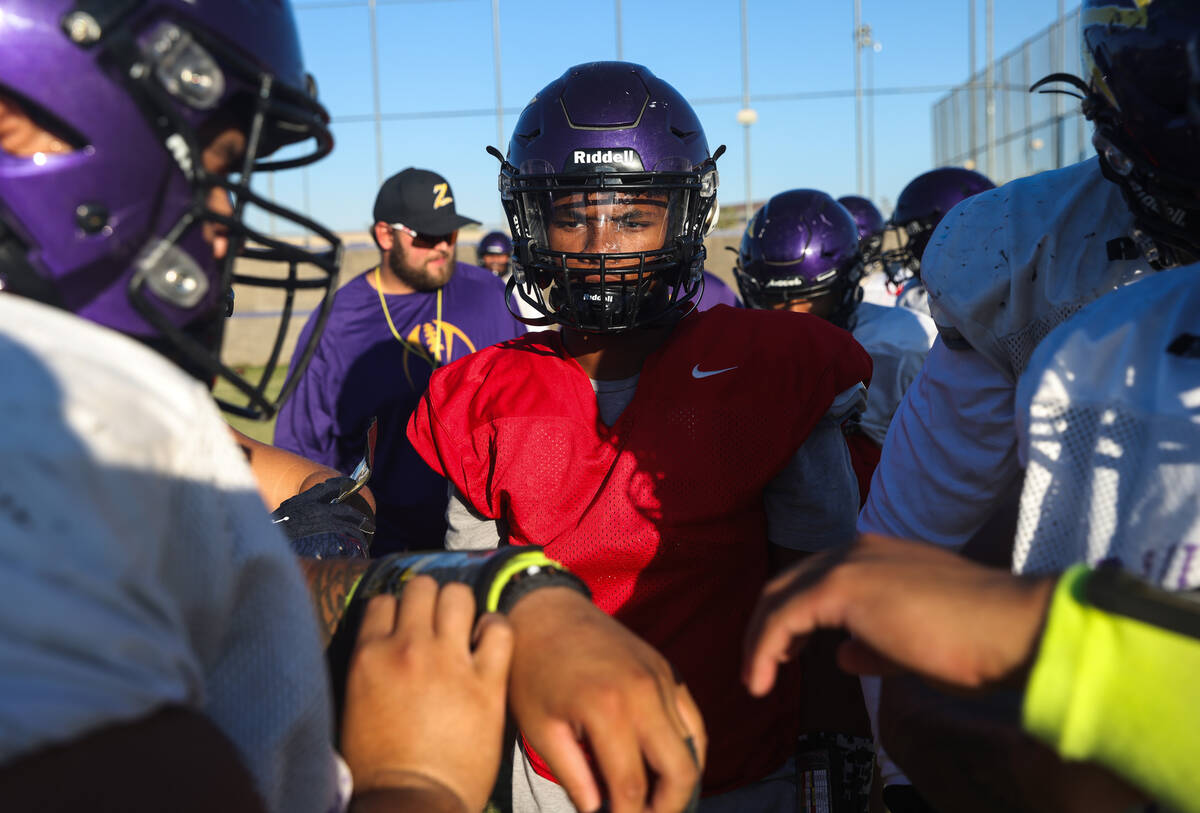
(436, 55)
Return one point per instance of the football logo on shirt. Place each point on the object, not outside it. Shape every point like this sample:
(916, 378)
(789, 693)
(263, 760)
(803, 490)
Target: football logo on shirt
(433, 343)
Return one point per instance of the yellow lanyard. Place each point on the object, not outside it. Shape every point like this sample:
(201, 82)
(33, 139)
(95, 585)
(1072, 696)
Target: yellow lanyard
(436, 358)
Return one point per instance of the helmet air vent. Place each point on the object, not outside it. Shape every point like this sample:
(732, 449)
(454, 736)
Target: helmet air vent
(185, 68)
(172, 274)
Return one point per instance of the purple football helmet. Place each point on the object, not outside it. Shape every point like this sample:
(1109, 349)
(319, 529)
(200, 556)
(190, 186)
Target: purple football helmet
(609, 189)
(866, 216)
(800, 245)
(870, 226)
(494, 243)
(114, 229)
(1137, 89)
(921, 207)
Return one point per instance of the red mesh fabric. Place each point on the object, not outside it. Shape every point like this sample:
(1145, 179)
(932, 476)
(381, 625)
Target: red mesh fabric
(661, 514)
(864, 457)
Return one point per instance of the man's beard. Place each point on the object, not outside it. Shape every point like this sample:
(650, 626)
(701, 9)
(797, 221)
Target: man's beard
(420, 278)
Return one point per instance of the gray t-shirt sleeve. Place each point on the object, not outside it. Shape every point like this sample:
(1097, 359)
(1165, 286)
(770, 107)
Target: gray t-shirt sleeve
(467, 529)
(812, 505)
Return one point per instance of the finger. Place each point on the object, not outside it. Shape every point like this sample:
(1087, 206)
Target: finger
(776, 596)
(566, 759)
(675, 766)
(804, 574)
(493, 647)
(770, 644)
(379, 618)
(417, 604)
(618, 752)
(455, 614)
(693, 722)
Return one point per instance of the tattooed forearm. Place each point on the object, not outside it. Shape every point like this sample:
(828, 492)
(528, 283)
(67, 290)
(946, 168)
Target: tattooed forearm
(330, 582)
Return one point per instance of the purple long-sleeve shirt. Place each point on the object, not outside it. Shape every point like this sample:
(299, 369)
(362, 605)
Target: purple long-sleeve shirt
(360, 369)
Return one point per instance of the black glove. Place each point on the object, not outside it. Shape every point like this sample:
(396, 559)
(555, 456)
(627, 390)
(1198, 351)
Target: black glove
(320, 529)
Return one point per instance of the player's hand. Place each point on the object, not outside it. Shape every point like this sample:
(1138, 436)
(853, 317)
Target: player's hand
(909, 606)
(580, 676)
(422, 708)
(318, 528)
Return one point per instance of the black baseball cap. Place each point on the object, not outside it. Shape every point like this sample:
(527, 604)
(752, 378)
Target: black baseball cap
(421, 200)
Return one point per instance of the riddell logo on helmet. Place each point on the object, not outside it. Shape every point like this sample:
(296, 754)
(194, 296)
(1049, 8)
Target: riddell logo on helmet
(1175, 216)
(620, 158)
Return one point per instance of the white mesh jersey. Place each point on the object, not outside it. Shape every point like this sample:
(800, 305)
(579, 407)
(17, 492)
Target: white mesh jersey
(876, 290)
(1003, 269)
(1109, 431)
(1007, 266)
(914, 297)
(138, 566)
(897, 339)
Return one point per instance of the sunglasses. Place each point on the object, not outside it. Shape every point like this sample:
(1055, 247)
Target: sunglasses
(426, 240)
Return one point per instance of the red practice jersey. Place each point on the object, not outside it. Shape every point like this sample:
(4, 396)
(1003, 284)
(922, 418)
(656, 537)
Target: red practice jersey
(864, 456)
(662, 513)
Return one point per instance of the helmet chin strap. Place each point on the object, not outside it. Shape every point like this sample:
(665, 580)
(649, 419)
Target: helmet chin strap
(608, 306)
(18, 276)
(510, 293)
(1147, 239)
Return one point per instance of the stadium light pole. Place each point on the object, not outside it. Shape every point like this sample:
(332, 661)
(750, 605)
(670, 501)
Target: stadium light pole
(972, 112)
(496, 71)
(990, 83)
(876, 47)
(620, 50)
(375, 93)
(858, 131)
(1060, 64)
(746, 116)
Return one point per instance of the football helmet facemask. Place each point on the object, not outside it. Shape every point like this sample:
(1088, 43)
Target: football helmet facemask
(920, 208)
(610, 190)
(114, 230)
(1138, 90)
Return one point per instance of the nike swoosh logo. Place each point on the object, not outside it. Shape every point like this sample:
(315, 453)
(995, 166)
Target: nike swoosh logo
(698, 373)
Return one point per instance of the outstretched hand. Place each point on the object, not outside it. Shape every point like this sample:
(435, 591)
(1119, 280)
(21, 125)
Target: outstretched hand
(424, 709)
(909, 606)
(580, 677)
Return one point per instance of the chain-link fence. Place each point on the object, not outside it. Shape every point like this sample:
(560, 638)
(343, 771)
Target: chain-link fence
(994, 125)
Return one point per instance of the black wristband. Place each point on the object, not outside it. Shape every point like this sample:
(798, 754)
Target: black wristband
(536, 577)
(499, 578)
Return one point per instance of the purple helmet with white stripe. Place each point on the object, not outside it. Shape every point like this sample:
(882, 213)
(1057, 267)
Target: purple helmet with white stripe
(802, 244)
(920, 208)
(494, 243)
(870, 225)
(868, 219)
(118, 225)
(609, 189)
(494, 253)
